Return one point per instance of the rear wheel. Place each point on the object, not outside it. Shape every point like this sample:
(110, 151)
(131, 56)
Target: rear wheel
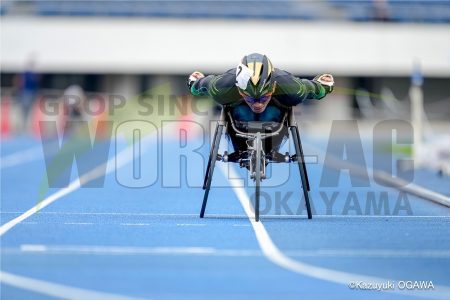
(211, 165)
(211, 157)
(302, 168)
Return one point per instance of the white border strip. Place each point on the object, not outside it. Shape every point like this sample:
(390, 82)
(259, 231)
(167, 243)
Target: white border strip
(228, 216)
(272, 253)
(209, 251)
(54, 289)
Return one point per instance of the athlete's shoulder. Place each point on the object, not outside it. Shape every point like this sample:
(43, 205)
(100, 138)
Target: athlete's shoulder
(231, 72)
(225, 80)
(280, 73)
(223, 87)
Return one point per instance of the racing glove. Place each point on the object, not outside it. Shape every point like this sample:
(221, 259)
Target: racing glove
(326, 80)
(193, 78)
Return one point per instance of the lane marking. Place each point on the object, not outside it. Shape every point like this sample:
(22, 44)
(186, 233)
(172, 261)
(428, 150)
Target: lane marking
(273, 254)
(33, 248)
(227, 216)
(383, 253)
(381, 216)
(55, 289)
(191, 224)
(106, 213)
(116, 162)
(397, 183)
(21, 157)
(208, 251)
(72, 187)
(24, 156)
(116, 250)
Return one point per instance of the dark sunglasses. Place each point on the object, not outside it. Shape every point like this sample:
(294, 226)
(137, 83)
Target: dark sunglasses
(262, 99)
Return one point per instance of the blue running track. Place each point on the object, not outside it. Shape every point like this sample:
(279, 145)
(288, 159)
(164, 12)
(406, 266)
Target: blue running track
(118, 241)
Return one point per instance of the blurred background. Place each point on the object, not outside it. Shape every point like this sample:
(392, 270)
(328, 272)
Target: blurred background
(375, 49)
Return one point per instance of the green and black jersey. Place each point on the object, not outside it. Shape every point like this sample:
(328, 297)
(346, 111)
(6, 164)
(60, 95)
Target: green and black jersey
(289, 90)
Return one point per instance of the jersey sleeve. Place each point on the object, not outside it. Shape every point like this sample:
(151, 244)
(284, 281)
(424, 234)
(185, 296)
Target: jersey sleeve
(291, 90)
(221, 88)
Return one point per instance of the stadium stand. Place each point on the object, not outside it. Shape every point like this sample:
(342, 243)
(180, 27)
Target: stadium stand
(429, 11)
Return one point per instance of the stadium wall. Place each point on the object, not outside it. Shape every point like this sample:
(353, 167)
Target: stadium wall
(175, 46)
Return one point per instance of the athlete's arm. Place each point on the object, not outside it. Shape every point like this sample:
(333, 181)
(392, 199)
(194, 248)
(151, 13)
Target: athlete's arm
(222, 88)
(292, 90)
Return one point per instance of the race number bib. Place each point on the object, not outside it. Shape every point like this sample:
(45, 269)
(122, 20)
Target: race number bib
(243, 75)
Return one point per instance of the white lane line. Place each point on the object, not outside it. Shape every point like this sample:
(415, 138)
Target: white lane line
(116, 162)
(21, 157)
(241, 225)
(55, 289)
(116, 250)
(73, 186)
(33, 248)
(191, 224)
(208, 251)
(397, 183)
(272, 253)
(381, 216)
(229, 216)
(135, 224)
(105, 213)
(382, 253)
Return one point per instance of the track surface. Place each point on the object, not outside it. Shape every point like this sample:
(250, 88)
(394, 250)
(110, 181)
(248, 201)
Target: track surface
(150, 242)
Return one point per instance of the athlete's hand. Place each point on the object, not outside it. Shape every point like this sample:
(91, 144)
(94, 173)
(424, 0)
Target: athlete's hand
(326, 80)
(194, 77)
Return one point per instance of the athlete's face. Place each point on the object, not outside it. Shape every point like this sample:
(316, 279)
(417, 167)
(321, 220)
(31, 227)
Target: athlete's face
(257, 105)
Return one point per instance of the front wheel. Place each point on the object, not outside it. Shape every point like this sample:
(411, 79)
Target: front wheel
(258, 165)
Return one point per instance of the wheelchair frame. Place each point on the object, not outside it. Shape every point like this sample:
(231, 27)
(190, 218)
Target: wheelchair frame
(257, 158)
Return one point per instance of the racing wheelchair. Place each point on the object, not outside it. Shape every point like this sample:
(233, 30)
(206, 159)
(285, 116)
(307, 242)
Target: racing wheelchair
(256, 144)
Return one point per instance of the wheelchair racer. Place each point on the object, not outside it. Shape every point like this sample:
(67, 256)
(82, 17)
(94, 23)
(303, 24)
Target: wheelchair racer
(256, 91)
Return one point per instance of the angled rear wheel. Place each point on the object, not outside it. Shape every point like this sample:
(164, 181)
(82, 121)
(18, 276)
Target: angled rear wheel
(210, 167)
(302, 168)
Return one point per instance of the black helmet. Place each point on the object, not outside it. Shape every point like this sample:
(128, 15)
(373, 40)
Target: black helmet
(260, 82)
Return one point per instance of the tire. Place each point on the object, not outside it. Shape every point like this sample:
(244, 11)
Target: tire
(302, 169)
(258, 152)
(211, 151)
(210, 170)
